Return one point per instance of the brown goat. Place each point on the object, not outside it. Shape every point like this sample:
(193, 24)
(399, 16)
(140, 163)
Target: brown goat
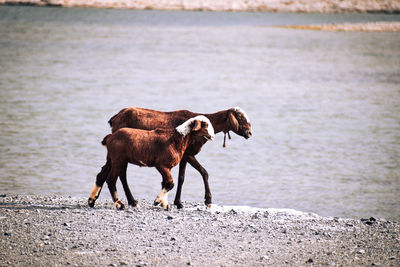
(234, 119)
(160, 148)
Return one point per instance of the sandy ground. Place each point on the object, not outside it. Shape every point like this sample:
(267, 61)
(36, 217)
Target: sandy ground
(63, 231)
(326, 6)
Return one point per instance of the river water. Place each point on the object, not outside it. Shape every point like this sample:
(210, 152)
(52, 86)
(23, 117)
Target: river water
(324, 106)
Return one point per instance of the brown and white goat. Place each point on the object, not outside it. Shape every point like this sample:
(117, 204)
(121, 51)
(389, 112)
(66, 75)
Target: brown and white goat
(160, 148)
(233, 119)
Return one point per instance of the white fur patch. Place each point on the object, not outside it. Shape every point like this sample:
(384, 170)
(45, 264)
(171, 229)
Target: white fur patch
(162, 198)
(238, 109)
(95, 191)
(184, 128)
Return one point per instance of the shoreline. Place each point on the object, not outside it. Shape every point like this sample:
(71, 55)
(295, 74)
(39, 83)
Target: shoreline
(294, 6)
(59, 231)
(349, 27)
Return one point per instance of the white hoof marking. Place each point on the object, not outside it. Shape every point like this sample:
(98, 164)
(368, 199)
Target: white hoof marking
(95, 191)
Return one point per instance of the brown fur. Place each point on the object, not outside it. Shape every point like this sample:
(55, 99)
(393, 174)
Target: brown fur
(160, 148)
(222, 121)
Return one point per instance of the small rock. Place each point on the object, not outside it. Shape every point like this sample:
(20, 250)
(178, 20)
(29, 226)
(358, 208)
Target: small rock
(309, 260)
(170, 217)
(361, 251)
(232, 211)
(66, 224)
(123, 263)
(173, 239)
(265, 257)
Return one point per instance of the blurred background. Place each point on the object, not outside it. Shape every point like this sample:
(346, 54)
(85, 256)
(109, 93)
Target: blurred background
(324, 106)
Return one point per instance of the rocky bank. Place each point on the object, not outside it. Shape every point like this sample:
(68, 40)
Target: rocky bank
(63, 231)
(327, 6)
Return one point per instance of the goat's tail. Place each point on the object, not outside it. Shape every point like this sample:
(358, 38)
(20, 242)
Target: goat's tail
(111, 119)
(121, 112)
(104, 142)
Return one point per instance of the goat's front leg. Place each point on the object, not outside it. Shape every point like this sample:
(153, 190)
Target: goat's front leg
(193, 161)
(181, 179)
(167, 184)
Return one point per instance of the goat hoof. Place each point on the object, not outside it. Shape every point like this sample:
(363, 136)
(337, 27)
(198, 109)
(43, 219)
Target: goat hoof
(207, 203)
(119, 205)
(91, 202)
(133, 204)
(167, 208)
(156, 203)
(179, 205)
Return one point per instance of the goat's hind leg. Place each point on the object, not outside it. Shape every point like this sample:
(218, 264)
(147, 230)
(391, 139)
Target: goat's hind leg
(100, 179)
(131, 201)
(112, 182)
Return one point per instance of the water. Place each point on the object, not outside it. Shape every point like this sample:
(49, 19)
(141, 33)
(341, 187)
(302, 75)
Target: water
(325, 106)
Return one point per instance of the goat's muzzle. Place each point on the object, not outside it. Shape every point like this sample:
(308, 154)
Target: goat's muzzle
(247, 134)
(208, 137)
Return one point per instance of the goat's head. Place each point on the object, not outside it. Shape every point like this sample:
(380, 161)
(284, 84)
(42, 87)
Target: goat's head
(239, 122)
(198, 126)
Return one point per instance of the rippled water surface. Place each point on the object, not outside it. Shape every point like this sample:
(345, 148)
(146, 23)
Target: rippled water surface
(324, 106)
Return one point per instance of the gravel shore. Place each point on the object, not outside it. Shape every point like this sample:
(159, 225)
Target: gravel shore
(63, 231)
(307, 6)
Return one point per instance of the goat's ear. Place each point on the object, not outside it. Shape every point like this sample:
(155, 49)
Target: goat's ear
(196, 125)
(233, 122)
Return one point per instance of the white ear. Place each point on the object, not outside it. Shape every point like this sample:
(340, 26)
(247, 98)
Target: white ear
(185, 127)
